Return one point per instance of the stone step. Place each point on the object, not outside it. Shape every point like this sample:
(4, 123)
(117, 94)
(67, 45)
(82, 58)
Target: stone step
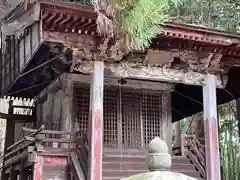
(138, 158)
(125, 151)
(142, 166)
(118, 178)
(127, 173)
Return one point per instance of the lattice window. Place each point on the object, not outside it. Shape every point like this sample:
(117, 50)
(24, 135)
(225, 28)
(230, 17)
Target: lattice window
(151, 116)
(82, 99)
(82, 96)
(131, 126)
(141, 116)
(110, 118)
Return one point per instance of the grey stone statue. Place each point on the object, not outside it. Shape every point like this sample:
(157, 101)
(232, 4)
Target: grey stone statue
(159, 163)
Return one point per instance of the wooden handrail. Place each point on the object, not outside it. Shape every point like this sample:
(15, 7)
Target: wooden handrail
(195, 151)
(24, 139)
(196, 163)
(82, 152)
(25, 129)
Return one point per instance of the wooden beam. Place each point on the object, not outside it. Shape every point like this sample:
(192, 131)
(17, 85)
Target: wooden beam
(211, 129)
(96, 121)
(16, 117)
(114, 81)
(151, 73)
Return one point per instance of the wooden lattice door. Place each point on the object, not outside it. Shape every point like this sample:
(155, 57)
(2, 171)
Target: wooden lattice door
(131, 124)
(151, 111)
(132, 118)
(81, 106)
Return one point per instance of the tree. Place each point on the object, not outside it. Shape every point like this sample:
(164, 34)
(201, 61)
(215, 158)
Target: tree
(224, 14)
(133, 22)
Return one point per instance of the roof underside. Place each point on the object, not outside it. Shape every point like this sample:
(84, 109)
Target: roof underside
(186, 100)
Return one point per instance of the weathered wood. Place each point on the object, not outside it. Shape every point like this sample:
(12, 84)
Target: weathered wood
(15, 159)
(81, 43)
(13, 173)
(49, 151)
(211, 129)
(177, 133)
(195, 162)
(37, 169)
(114, 81)
(25, 129)
(119, 115)
(67, 108)
(166, 120)
(10, 129)
(48, 140)
(140, 71)
(22, 171)
(53, 165)
(20, 47)
(77, 166)
(16, 117)
(22, 140)
(96, 111)
(17, 149)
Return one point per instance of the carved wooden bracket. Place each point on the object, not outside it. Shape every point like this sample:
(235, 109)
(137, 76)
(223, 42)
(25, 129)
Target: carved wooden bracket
(141, 71)
(185, 59)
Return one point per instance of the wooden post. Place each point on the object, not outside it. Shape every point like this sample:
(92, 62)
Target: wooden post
(9, 134)
(96, 121)
(37, 168)
(211, 129)
(177, 132)
(10, 129)
(22, 171)
(67, 108)
(166, 122)
(13, 173)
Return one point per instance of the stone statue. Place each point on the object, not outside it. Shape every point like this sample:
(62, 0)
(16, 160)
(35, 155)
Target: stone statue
(159, 163)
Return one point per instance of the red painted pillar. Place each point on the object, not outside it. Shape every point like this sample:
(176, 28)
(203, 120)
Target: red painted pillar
(96, 121)
(37, 168)
(211, 129)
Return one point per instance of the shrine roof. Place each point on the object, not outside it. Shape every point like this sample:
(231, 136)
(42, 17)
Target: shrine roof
(81, 19)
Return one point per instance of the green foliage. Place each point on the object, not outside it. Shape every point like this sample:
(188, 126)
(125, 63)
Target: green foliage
(224, 14)
(140, 20)
(229, 141)
(136, 21)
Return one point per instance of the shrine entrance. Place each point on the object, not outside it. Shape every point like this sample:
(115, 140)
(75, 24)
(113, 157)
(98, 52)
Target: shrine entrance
(132, 117)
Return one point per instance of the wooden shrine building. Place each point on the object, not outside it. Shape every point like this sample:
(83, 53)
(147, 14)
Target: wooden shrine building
(118, 102)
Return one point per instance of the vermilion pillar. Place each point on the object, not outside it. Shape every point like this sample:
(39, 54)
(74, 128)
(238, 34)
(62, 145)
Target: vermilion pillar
(211, 129)
(96, 121)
